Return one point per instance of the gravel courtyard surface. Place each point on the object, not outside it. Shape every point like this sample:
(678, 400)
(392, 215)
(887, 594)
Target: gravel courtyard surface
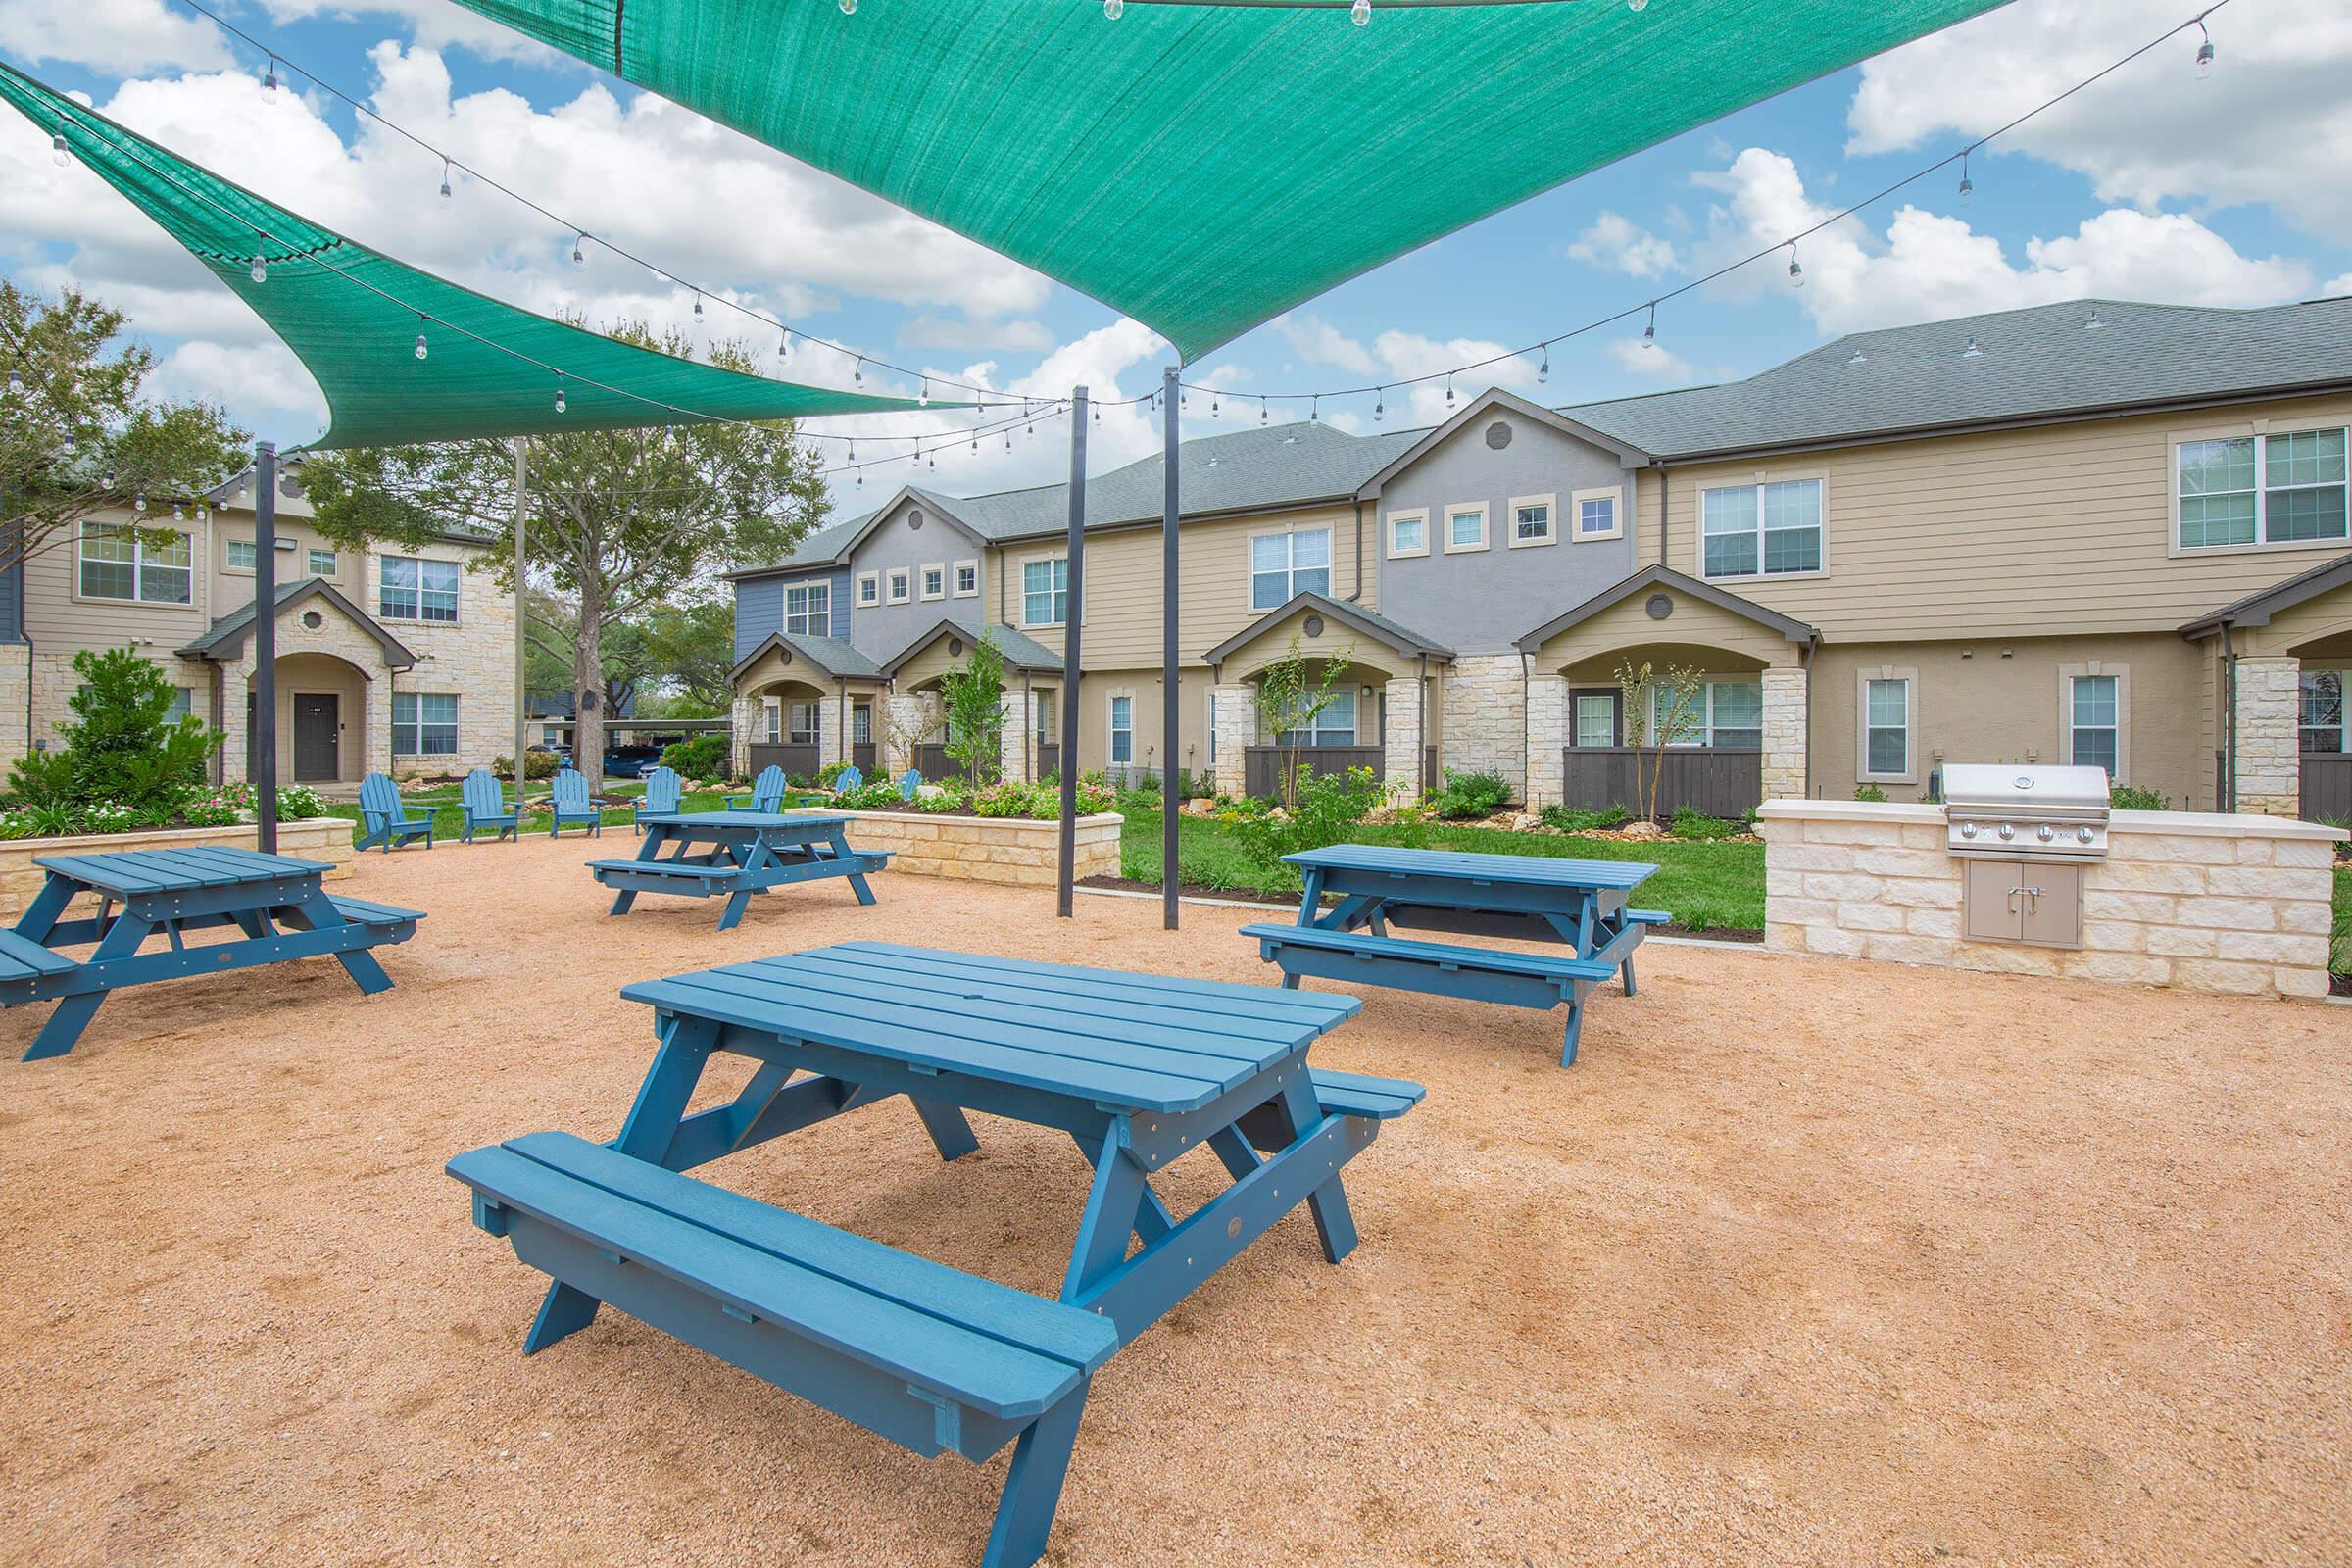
(1806, 1262)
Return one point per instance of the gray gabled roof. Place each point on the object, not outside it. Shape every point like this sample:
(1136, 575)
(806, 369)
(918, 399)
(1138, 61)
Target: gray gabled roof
(1378, 628)
(1657, 576)
(829, 656)
(1477, 408)
(1020, 651)
(224, 636)
(2257, 608)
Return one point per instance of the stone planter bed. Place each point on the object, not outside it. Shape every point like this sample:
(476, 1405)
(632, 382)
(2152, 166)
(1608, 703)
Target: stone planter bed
(314, 838)
(1012, 850)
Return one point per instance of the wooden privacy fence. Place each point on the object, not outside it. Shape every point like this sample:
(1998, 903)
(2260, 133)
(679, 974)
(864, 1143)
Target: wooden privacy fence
(1717, 780)
(1262, 765)
(797, 761)
(2326, 788)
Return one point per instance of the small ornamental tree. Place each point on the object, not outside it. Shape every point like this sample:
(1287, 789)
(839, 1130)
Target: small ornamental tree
(974, 701)
(121, 749)
(1290, 697)
(1661, 709)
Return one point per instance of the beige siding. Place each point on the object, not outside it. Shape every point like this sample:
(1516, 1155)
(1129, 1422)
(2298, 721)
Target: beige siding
(2065, 527)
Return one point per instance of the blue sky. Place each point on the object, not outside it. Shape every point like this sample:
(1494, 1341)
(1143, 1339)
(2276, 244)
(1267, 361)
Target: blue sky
(2156, 185)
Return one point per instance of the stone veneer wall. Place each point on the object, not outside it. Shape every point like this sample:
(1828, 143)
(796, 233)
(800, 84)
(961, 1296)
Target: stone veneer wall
(1237, 729)
(2197, 900)
(1486, 717)
(1400, 742)
(315, 838)
(987, 849)
(2270, 770)
(1783, 734)
(16, 695)
(1547, 741)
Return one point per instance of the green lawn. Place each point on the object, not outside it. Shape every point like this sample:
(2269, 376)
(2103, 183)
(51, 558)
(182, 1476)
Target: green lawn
(449, 818)
(1703, 884)
(2341, 962)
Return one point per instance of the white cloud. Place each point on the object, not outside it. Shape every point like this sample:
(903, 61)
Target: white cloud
(2272, 122)
(929, 331)
(1617, 244)
(1927, 266)
(2335, 287)
(1409, 354)
(118, 36)
(1638, 358)
(1324, 344)
(267, 377)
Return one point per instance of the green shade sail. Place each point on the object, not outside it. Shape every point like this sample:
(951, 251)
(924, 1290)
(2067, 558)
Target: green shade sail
(1201, 166)
(353, 316)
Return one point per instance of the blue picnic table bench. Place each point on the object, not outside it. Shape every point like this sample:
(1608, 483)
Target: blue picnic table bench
(278, 904)
(1579, 905)
(1136, 1069)
(737, 852)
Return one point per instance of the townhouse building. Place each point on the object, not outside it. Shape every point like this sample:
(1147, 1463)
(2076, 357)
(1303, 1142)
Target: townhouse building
(2096, 532)
(388, 660)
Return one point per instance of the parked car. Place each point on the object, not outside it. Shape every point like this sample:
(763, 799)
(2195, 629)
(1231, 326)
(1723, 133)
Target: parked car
(630, 761)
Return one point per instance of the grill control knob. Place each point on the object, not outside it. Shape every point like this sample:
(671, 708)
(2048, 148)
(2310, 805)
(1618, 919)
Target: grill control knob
(2008, 832)
(1967, 830)
(2044, 833)
(2085, 835)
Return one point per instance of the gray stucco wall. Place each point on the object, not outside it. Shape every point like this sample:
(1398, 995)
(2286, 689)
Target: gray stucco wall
(880, 631)
(1485, 601)
(760, 605)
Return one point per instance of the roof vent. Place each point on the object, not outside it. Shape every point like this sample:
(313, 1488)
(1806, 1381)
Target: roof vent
(1658, 607)
(1499, 435)
(915, 517)
(1314, 626)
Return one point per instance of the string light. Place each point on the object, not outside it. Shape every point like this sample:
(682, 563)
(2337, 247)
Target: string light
(1967, 185)
(1543, 370)
(420, 343)
(1380, 404)
(579, 252)
(16, 382)
(259, 271)
(1362, 11)
(270, 82)
(1796, 270)
(1315, 411)
(923, 398)
(1649, 333)
(56, 149)
(1113, 9)
(859, 375)
(559, 394)
(1216, 407)
(1450, 390)
(784, 345)
(698, 304)
(445, 179)
(1261, 410)
(2204, 51)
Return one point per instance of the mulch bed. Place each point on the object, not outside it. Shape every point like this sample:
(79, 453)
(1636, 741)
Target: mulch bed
(1289, 901)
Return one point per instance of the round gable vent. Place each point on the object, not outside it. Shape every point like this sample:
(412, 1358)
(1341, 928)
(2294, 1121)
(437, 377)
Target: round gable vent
(1499, 435)
(1314, 626)
(915, 517)
(1659, 607)
(312, 619)
(955, 648)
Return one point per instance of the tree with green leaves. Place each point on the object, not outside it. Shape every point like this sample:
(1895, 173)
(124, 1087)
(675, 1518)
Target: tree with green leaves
(973, 697)
(1661, 709)
(1290, 694)
(121, 748)
(80, 437)
(620, 522)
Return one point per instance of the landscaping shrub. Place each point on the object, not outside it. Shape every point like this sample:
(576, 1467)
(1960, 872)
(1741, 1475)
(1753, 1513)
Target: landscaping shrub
(1579, 819)
(826, 774)
(697, 757)
(296, 802)
(1871, 793)
(1690, 825)
(535, 765)
(123, 751)
(2131, 797)
(1328, 809)
(1471, 795)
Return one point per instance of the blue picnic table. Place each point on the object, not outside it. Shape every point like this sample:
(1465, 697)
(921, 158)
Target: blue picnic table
(737, 852)
(1579, 905)
(1136, 1069)
(279, 902)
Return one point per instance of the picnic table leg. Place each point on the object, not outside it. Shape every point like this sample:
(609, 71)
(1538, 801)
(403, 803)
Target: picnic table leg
(1152, 1217)
(1113, 1209)
(40, 915)
(1334, 1223)
(74, 1013)
(1041, 1458)
(317, 912)
(951, 1134)
(838, 842)
(1576, 1023)
(1626, 969)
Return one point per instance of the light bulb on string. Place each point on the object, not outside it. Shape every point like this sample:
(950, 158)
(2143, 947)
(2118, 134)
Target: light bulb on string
(1261, 410)
(852, 448)
(559, 400)
(923, 398)
(784, 345)
(56, 149)
(445, 179)
(16, 382)
(110, 479)
(1098, 414)
(2204, 51)
(70, 447)
(259, 272)
(270, 82)
(1314, 409)
(1112, 10)
(1968, 186)
(1649, 333)
(1797, 269)
(1216, 407)
(858, 374)
(1543, 370)
(1379, 404)
(1009, 440)
(1450, 390)
(847, 6)
(698, 304)
(178, 515)
(1360, 11)
(420, 348)
(138, 503)
(579, 252)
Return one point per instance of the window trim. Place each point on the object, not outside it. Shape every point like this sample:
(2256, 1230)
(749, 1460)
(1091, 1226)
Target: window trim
(1111, 730)
(2067, 674)
(2260, 431)
(1705, 740)
(310, 561)
(138, 563)
(956, 571)
(2343, 725)
(898, 585)
(1419, 515)
(1290, 567)
(1614, 495)
(867, 580)
(1862, 679)
(922, 581)
(1699, 530)
(1456, 509)
(1049, 591)
(1314, 727)
(457, 616)
(1551, 531)
(808, 588)
(1616, 702)
(457, 734)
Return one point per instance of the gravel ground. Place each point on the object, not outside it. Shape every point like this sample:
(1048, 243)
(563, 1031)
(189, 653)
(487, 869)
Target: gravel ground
(1806, 1262)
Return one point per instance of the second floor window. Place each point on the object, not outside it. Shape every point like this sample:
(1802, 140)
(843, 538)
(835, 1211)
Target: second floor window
(869, 588)
(1044, 592)
(935, 582)
(1334, 726)
(425, 723)
(2322, 731)
(322, 563)
(116, 564)
(1761, 529)
(1283, 566)
(240, 554)
(900, 581)
(1123, 729)
(967, 579)
(2288, 488)
(419, 590)
(1531, 522)
(808, 610)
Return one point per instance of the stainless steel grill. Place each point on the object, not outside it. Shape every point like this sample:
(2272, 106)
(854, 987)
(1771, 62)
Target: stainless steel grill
(2030, 812)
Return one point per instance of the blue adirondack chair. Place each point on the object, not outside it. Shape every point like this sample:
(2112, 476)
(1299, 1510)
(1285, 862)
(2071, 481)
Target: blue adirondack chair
(767, 792)
(572, 805)
(848, 779)
(385, 820)
(662, 796)
(910, 782)
(485, 802)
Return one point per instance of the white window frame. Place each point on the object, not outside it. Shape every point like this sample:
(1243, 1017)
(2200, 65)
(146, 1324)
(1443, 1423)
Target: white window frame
(923, 587)
(1705, 739)
(1614, 495)
(869, 589)
(457, 594)
(1463, 509)
(228, 560)
(813, 708)
(1862, 725)
(183, 704)
(1111, 730)
(2343, 712)
(1291, 569)
(771, 720)
(956, 571)
(811, 592)
(139, 565)
(899, 586)
(335, 561)
(1699, 531)
(1051, 590)
(1312, 734)
(416, 725)
(2067, 674)
(1419, 515)
(1552, 527)
(1212, 729)
(2260, 434)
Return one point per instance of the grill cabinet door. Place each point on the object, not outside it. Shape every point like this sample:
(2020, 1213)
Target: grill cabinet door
(2052, 906)
(1992, 907)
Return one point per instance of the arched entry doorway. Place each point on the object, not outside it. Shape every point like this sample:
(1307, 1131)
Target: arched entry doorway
(321, 721)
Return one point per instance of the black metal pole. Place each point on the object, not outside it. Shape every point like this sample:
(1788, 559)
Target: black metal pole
(264, 646)
(1169, 707)
(1069, 652)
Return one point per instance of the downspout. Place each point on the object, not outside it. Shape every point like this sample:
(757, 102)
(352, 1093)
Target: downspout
(840, 720)
(1527, 752)
(1804, 660)
(1662, 468)
(1421, 726)
(1357, 596)
(2228, 791)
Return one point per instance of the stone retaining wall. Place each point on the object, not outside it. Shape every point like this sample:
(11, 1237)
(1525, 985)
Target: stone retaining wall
(2234, 903)
(316, 838)
(987, 849)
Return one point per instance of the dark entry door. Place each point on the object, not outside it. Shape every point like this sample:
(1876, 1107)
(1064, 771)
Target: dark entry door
(317, 725)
